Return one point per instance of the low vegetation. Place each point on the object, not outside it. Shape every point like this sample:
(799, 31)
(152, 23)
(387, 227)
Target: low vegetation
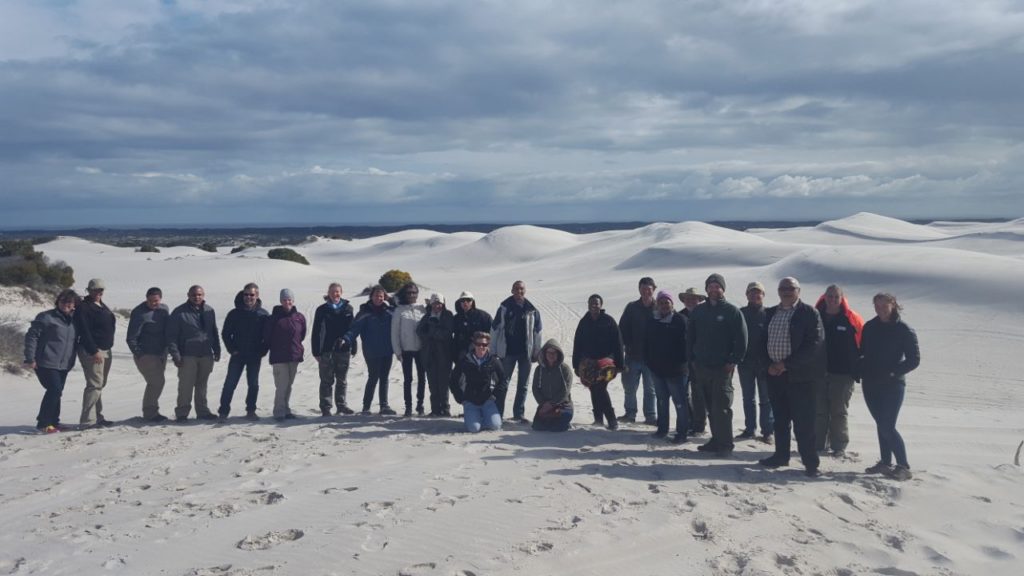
(22, 265)
(287, 254)
(392, 280)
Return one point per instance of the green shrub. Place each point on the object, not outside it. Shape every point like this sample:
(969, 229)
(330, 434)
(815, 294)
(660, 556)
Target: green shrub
(392, 280)
(242, 246)
(287, 254)
(12, 346)
(21, 265)
(147, 248)
(208, 247)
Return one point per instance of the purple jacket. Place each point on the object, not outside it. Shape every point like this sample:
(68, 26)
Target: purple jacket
(283, 335)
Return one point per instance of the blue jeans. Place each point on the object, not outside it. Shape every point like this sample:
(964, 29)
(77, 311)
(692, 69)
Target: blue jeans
(477, 417)
(49, 409)
(631, 382)
(749, 379)
(508, 363)
(252, 379)
(884, 399)
(672, 389)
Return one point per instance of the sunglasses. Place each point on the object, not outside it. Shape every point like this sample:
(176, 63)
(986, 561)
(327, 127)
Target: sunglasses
(249, 294)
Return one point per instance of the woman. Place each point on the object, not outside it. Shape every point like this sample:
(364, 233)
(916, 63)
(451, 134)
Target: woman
(475, 383)
(50, 351)
(888, 351)
(665, 355)
(597, 337)
(373, 325)
(468, 321)
(283, 335)
(95, 323)
(435, 332)
(406, 343)
(551, 383)
(843, 329)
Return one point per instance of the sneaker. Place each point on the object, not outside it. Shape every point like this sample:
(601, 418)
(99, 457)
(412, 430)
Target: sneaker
(900, 473)
(745, 435)
(812, 472)
(222, 418)
(345, 410)
(365, 412)
(631, 418)
(659, 434)
(651, 421)
(49, 430)
(767, 439)
(879, 468)
(678, 438)
(839, 454)
(773, 462)
(387, 411)
(251, 416)
(156, 419)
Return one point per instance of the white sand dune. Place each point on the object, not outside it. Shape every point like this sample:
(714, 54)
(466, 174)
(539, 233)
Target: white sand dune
(373, 495)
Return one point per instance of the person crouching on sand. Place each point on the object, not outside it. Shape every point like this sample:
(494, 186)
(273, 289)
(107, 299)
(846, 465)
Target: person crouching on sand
(478, 379)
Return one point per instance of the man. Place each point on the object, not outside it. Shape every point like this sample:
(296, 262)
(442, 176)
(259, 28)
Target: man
(666, 357)
(717, 341)
(243, 338)
(633, 326)
(331, 321)
(754, 368)
(516, 336)
(194, 346)
(147, 339)
(696, 404)
(795, 347)
(468, 321)
(95, 323)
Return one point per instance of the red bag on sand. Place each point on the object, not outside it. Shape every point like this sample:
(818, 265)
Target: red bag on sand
(597, 372)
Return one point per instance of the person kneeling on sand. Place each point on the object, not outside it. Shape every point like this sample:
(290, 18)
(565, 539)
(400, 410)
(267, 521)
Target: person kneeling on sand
(552, 381)
(478, 379)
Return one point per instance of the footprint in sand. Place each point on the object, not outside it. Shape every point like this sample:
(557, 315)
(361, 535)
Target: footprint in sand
(534, 548)
(700, 529)
(417, 569)
(266, 497)
(269, 540)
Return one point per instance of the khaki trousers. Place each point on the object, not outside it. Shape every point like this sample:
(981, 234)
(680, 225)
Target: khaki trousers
(833, 401)
(95, 380)
(152, 368)
(284, 377)
(193, 375)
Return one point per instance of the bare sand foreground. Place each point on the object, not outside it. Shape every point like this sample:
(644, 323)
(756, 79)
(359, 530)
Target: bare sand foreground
(373, 495)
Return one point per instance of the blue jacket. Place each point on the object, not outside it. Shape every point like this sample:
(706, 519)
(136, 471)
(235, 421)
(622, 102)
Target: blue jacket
(374, 327)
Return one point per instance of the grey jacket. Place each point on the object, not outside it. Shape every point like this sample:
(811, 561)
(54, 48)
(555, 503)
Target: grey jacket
(192, 332)
(51, 341)
(147, 330)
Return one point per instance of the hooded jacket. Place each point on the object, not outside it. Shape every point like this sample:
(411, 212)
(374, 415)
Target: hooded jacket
(665, 353)
(373, 325)
(147, 330)
(435, 334)
(842, 337)
(243, 329)
(403, 328)
(889, 350)
(193, 332)
(51, 340)
(598, 338)
(467, 324)
(477, 382)
(506, 327)
(330, 323)
(283, 335)
(552, 383)
(717, 335)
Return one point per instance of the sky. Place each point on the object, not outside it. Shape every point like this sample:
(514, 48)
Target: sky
(293, 112)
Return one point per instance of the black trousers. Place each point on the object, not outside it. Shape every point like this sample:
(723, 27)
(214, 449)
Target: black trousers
(49, 409)
(408, 359)
(794, 402)
(602, 401)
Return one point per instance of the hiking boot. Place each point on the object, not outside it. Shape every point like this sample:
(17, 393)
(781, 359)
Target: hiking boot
(767, 439)
(613, 425)
(879, 468)
(157, 418)
(631, 418)
(900, 473)
(598, 421)
(386, 411)
(345, 410)
(812, 472)
(659, 434)
(408, 412)
(708, 447)
(773, 462)
(745, 435)
(251, 416)
(325, 412)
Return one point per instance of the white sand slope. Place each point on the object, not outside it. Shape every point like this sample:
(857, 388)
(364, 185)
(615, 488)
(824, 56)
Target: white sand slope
(373, 495)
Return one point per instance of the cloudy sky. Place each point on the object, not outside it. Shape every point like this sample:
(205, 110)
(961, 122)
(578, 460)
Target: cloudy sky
(417, 111)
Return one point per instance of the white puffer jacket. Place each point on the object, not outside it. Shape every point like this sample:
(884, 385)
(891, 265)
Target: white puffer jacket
(403, 328)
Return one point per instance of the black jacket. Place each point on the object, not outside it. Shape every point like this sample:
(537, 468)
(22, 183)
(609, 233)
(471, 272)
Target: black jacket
(806, 359)
(243, 330)
(437, 348)
(597, 339)
(95, 323)
(633, 326)
(889, 350)
(329, 325)
(841, 349)
(756, 357)
(465, 325)
(147, 330)
(477, 383)
(665, 353)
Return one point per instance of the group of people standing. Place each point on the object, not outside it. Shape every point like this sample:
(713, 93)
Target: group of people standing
(797, 363)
